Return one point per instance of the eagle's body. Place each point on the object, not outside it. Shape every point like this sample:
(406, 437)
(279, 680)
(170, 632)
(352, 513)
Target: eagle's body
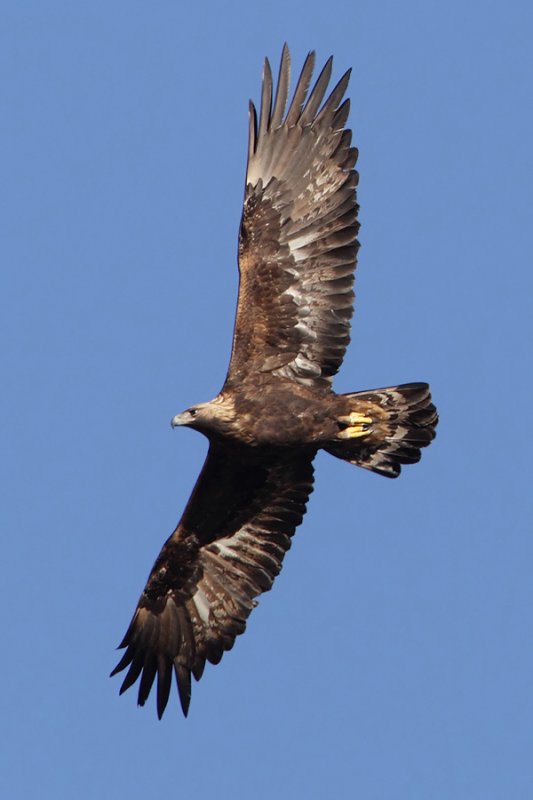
(297, 252)
(278, 414)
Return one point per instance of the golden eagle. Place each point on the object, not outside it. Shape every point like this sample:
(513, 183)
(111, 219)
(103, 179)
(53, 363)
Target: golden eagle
(297, 253)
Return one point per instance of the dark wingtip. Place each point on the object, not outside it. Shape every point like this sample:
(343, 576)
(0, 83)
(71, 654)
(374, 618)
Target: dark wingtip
(126, 659)
(161, 705)
(183, 679)
(164, 683)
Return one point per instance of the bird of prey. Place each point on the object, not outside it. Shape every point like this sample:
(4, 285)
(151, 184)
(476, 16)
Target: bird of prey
(297, 254)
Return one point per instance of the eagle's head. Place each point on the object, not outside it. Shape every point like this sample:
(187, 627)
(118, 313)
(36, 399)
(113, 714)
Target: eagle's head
(213, 417)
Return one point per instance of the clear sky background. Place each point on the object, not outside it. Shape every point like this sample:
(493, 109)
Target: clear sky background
(394, 657)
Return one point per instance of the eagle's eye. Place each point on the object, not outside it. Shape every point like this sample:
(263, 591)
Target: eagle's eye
(193, 412)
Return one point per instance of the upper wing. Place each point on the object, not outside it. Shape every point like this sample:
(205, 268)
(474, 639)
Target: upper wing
(227, 549)
(297, 246)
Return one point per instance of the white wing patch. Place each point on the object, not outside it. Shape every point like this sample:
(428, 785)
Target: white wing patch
(202, 604)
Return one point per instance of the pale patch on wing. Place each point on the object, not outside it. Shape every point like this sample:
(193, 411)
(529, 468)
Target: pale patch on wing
(223, 549)
(202, 604)
(297, 244)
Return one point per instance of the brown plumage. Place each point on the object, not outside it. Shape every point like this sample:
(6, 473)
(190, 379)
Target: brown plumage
(297, 251)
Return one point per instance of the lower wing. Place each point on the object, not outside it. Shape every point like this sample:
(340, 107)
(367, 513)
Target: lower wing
(226, 550)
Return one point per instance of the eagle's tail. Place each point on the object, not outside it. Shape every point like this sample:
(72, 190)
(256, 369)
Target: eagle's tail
(384, 428)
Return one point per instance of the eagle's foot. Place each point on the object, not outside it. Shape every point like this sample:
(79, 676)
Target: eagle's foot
(357, 426)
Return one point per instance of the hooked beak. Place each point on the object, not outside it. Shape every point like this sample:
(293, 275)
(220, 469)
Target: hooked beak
(179, 419)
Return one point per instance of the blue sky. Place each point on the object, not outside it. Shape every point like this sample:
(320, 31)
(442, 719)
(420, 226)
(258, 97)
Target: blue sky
(393, 659)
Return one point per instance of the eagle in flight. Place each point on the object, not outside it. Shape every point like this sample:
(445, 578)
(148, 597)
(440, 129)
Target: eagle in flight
(297, 254)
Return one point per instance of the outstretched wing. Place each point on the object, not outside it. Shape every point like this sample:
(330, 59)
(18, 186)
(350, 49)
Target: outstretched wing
(227, 549)
(297, 246)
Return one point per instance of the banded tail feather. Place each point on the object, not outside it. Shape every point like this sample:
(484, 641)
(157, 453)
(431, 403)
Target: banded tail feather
(385, 428)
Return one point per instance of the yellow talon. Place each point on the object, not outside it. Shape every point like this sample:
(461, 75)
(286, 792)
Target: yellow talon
(360, 419)
(355, 432)
(358, 426)
(355, 418)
